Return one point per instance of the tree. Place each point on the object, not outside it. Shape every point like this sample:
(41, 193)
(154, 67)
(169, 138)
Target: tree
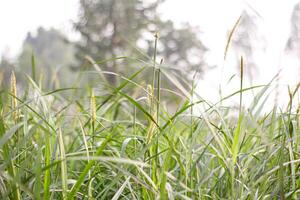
(53, 54)
(246, 42)
(111, 28)
(293, 44)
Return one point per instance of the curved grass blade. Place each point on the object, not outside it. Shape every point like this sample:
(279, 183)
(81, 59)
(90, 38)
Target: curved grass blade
(231, 35)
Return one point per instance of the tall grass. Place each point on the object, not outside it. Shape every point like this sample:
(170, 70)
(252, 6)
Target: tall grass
(123, 142)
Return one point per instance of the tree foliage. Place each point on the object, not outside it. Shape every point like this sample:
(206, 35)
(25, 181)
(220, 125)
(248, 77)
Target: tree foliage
(53, 54)
(247, 41)
(111, 28)
(293, 44)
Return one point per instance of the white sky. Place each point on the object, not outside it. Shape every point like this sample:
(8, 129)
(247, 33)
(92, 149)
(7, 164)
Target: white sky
(217, 17)
(17, 17)
(214, 17)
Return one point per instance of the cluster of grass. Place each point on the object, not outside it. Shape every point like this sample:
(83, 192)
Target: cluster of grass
(121, 142)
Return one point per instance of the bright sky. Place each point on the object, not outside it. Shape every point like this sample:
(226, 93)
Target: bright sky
(17, 17)
(214, 17)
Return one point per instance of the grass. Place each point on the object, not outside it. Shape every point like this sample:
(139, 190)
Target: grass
(122, 142)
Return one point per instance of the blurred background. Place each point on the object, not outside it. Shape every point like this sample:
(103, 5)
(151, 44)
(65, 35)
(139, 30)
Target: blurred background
(60, 36)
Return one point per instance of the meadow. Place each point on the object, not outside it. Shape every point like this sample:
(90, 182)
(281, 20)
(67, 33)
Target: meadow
(124, 142)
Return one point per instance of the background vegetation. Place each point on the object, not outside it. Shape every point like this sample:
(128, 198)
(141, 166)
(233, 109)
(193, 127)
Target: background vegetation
(116, 116)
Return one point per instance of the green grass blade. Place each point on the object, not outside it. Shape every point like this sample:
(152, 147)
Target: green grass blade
(63, 165)
(87, 168)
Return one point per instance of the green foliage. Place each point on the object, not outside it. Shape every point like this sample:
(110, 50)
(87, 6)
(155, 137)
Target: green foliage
(105, 141)
(122, 143)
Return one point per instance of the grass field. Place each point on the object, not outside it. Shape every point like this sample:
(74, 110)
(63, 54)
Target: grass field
(122, 142)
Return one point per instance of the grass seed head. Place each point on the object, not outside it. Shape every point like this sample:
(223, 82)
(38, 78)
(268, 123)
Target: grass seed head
(13, 90)
(150, 94)
(93, 106)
